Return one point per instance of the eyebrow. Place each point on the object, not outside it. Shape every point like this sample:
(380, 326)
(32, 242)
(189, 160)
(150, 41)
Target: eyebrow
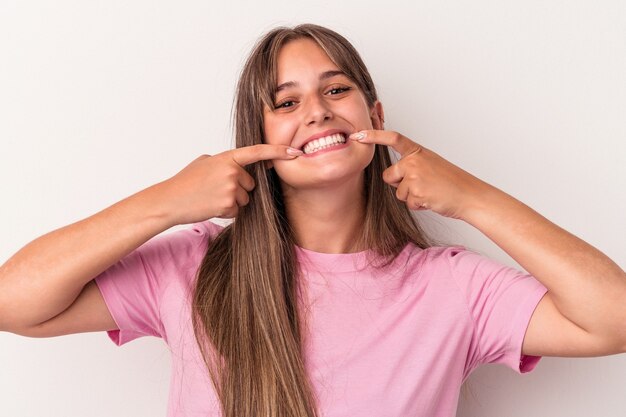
(323, 76)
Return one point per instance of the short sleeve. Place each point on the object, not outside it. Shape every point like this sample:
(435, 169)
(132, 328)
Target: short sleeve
(501, 302)
(133, 287)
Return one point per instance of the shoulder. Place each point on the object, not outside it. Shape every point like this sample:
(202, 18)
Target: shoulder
(455, 257)
(436, 256)
(203, 231)
(456, 261)
(443, 253)
(196, 233)
(188, 243)
(475, 274)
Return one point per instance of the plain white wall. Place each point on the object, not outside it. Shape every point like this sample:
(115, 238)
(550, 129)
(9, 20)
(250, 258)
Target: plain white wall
(101, 99)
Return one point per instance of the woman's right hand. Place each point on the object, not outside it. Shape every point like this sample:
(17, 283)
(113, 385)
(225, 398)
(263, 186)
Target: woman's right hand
(47, 276)
(215, 186)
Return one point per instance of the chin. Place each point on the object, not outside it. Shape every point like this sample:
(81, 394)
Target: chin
(323, 177)
(329, 173)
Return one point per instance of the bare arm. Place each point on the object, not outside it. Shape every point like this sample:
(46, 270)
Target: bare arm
(45, 277)
(585, 285)
(583, 313)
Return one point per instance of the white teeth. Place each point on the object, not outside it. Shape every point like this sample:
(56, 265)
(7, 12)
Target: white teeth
(322, 143)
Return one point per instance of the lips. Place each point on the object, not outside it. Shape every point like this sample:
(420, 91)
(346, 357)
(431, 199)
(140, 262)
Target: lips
(324, 134)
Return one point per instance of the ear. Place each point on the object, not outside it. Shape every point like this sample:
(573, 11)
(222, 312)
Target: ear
(377, 115)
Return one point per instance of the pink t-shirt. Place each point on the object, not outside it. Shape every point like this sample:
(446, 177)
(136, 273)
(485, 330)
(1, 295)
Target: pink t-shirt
(384, 343)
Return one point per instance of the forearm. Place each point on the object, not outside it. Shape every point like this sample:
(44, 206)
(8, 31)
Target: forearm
(588, 287)
(45, 277)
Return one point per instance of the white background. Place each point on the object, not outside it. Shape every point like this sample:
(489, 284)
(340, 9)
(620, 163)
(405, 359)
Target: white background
(101, 99)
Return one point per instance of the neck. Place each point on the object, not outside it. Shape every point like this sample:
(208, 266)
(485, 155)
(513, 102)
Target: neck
(328, 219)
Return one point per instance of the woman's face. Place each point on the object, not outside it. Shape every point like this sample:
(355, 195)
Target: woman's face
(315, 98)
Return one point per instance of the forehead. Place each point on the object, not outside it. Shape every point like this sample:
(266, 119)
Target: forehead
(301, 57)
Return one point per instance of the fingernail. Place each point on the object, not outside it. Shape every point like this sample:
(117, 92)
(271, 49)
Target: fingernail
(358, 135)
(294, 151)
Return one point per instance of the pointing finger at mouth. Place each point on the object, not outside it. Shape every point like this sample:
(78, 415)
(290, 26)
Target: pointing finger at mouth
(398, 142)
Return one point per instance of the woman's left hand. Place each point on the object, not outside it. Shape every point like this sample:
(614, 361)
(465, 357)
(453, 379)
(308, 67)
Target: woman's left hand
(425, 180)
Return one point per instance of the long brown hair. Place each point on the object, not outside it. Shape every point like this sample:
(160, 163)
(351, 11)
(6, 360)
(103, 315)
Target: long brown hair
(245, 303)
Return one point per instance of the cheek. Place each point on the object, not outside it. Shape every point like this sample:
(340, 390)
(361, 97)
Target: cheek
(278, 132)
(369, 155)
(288, 174)
(357, 114)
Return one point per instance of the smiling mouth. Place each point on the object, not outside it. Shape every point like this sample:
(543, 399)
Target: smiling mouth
(324, 143)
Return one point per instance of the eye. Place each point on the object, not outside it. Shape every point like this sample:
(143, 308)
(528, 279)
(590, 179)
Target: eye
(284, 104)
(339, 90)
(290, 103)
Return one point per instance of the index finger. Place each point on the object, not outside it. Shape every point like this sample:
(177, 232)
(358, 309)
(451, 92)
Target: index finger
(255, 153)
(398, 142)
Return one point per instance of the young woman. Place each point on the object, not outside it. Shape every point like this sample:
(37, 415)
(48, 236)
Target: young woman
(324, 297)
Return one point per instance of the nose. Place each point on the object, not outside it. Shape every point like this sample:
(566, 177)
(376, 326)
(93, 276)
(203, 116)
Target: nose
(317, 111)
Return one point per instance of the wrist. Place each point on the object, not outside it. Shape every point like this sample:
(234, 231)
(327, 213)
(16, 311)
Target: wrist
(484, 203)
(156, 207)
